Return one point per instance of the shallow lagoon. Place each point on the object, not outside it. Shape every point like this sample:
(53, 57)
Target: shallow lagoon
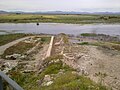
(56, 28)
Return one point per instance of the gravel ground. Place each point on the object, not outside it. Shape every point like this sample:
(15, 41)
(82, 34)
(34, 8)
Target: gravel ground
(100, 65)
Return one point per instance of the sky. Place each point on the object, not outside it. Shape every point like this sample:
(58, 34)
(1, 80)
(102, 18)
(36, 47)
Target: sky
(61, 5)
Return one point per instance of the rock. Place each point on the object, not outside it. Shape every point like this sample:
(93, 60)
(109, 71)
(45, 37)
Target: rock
(6, 70)
(62, 70)
(74, 72)
(29, 67)
(84, 72)
(49, 83)
(23, 57)
(47, 78)
(7, 64)
(60, 73)
(13, 57)
(79, 56)
(57, 60)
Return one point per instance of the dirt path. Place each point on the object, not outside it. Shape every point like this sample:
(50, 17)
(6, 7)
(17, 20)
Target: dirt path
(4, 47)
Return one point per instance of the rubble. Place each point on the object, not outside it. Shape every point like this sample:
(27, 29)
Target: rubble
(15, 56)
(32, 40)
(6, 66)
(47, 80)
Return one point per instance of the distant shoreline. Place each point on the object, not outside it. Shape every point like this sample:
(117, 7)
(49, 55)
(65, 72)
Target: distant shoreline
(66, 19)
(54, 23)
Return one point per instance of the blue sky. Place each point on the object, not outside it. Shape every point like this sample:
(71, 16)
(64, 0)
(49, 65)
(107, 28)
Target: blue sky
(61, 5)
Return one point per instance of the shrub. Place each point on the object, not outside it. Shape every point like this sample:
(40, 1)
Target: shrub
(89, 34)
(84, 43)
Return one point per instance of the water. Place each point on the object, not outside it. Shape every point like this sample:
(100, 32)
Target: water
(53, 28)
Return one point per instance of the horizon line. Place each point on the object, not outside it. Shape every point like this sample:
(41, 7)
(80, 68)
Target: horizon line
(58, 11)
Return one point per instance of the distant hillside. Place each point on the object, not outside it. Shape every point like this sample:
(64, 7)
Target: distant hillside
(58, 12)
(3, 12)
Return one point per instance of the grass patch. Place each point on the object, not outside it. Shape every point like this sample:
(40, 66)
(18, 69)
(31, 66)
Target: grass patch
(70, 81)
(4, 39)
(65, 81)
(19, 48)
(74, 19)
(54, 57)
(105, 45)
(65, 38)
(23, 47)
(55, 67)
(26, 80)
(116, 47)
(84, 43)
(116, 42)
(45, 39)
(92, 43)
(29, 80)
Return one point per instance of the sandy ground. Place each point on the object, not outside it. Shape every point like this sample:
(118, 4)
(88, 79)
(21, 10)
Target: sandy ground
(102, 66)
(108, 64)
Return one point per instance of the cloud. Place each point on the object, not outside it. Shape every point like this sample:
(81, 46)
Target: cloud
(63, 5)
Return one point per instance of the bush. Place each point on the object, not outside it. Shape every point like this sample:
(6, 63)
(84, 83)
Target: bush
(84, 43)
(89, 34)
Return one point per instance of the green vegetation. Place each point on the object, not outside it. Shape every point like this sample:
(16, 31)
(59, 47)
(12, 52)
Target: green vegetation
(19, 48)
(108, 46)
(105, 45)
(54, 57)
(75, 19)
(84, 43)
(23, 47)
(88, 34)
(92, 43)
(4, 39)
(65, 81)
(65, 39)
(115, 42)
(45, 39)
(70, 81)
(112, 47)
